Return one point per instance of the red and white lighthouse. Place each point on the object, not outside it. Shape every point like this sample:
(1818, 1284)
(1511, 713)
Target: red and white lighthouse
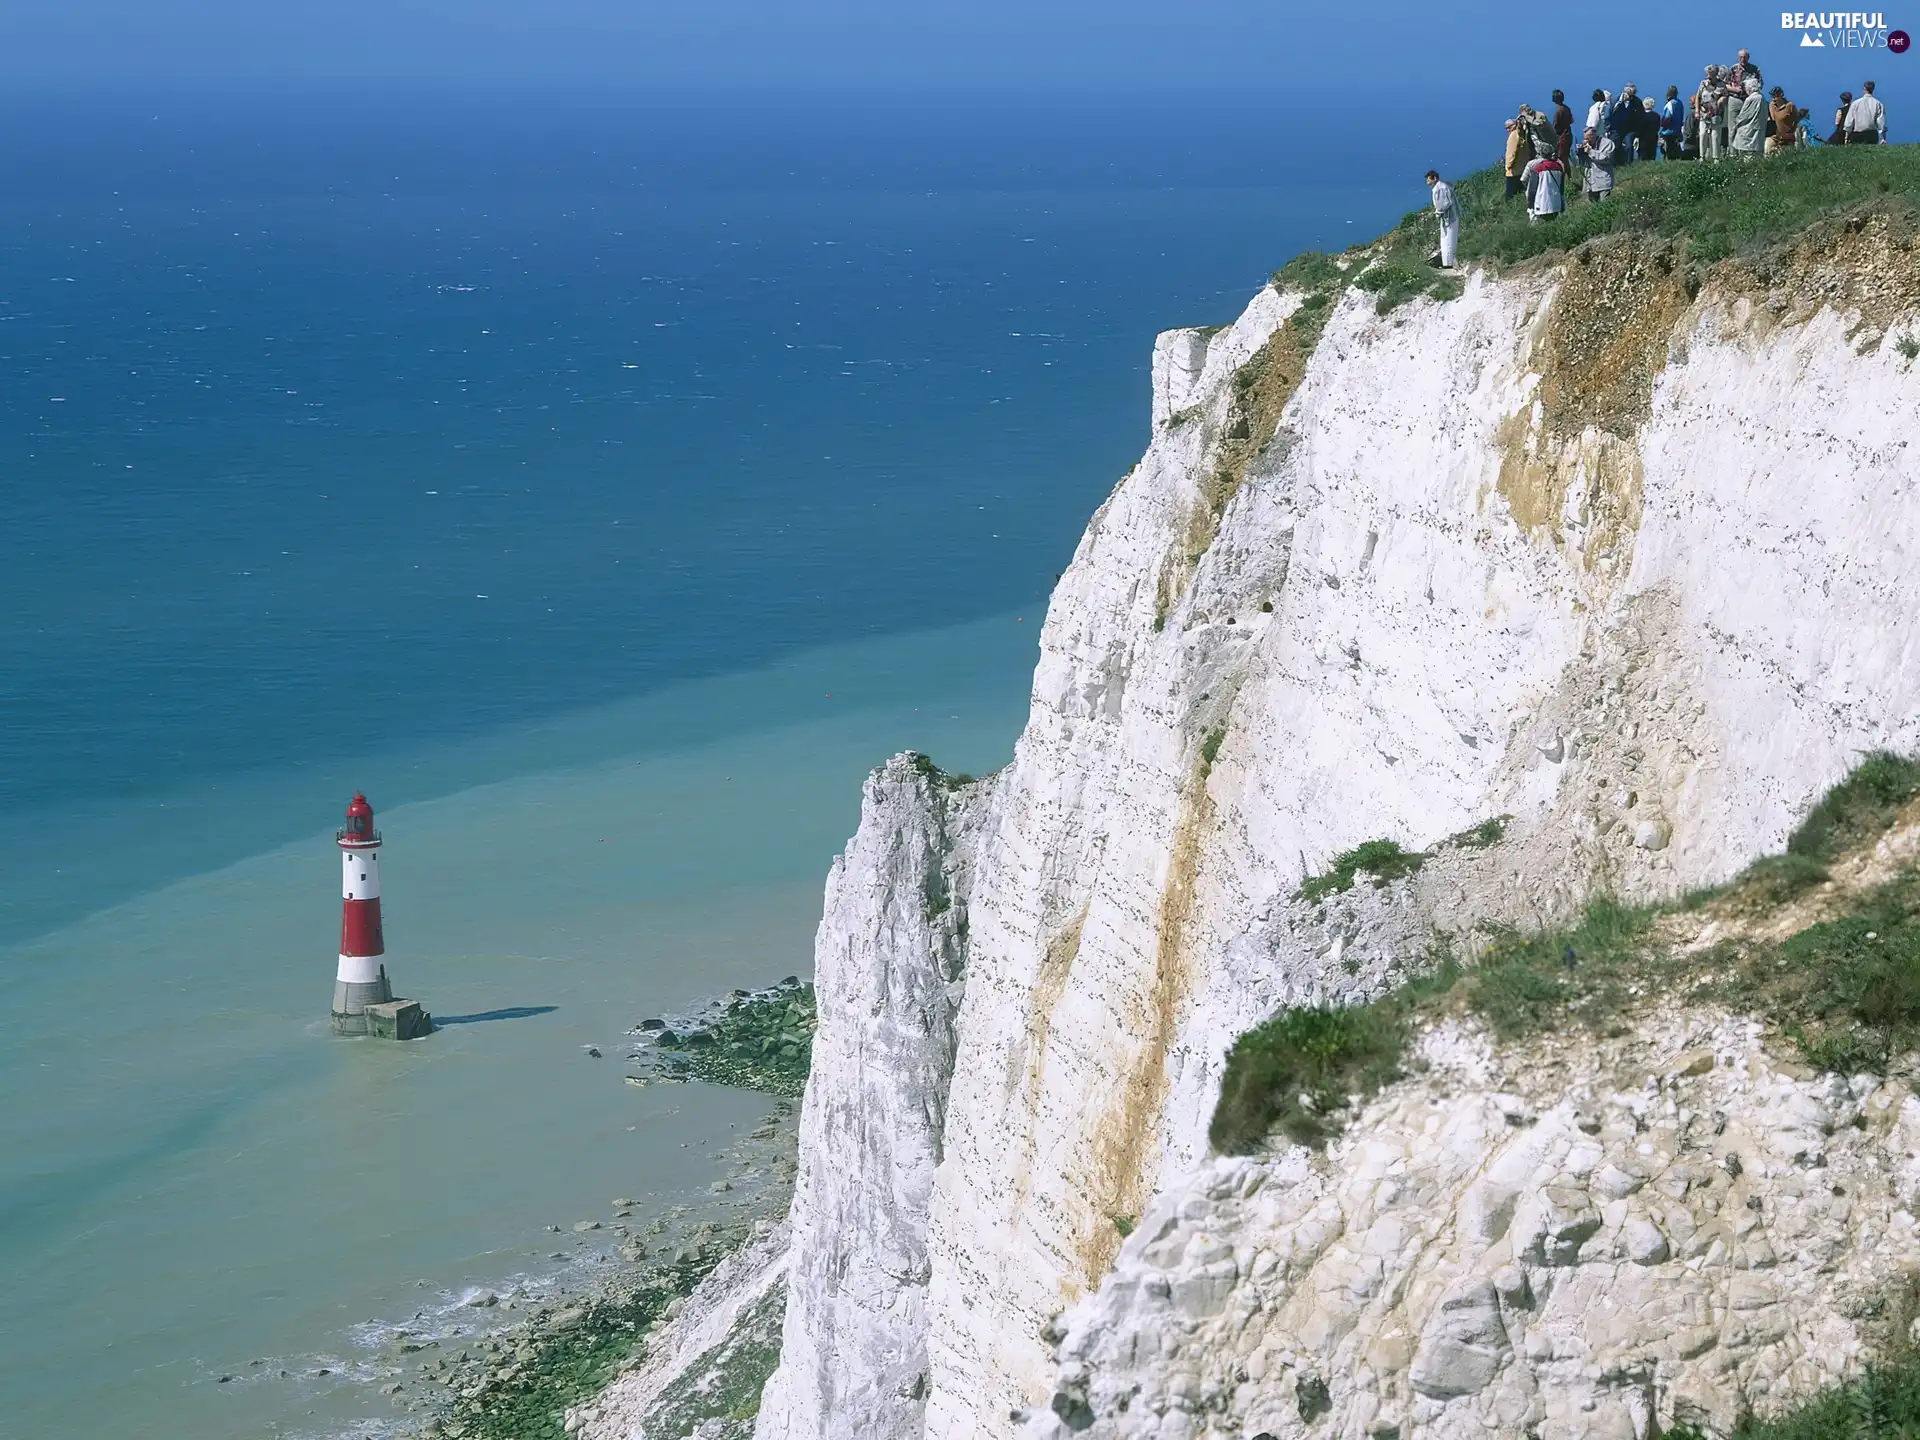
(362, 978)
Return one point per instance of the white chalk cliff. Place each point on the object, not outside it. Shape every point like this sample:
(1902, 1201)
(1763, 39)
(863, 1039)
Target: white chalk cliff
(1629, 558)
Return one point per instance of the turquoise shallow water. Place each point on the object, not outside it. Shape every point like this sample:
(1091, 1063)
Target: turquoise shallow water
(213, 1179)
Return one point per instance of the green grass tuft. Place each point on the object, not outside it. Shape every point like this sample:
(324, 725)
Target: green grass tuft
(1395, 281)
(1483, 836)
(1310, 270)
(1775, 879)
(1846, 991)
(1908, 346)
(1210, 749)
(1382, 859)
(1700, 897)
(1523, 984)
(1859, 806)
(1295, 1072)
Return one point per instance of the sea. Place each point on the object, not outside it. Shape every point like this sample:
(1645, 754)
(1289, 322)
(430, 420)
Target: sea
(603, 484)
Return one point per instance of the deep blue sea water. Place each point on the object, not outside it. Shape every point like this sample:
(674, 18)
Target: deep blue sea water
(629, 474)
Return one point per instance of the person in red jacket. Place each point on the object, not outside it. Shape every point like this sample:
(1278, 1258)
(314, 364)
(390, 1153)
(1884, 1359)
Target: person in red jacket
(1562, 128)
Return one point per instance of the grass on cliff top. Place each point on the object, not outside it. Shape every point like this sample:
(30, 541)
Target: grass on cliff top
(1719, 210)
(1844, 992)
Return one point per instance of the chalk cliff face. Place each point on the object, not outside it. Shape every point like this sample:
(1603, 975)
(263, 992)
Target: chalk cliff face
(887, 964)
(1628, 561)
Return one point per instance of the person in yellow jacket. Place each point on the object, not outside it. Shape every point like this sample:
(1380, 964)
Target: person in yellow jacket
(1519, 152)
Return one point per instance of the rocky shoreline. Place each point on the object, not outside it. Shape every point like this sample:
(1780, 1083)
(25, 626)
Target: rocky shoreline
(753, 1040)
(520, 1384)
(527, 1356)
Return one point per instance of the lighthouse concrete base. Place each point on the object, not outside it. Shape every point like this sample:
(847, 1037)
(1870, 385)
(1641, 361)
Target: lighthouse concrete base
(398, 1020)
(351, 999)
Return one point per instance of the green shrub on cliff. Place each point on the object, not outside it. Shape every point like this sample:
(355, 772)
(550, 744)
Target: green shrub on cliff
(1294, 1072)
(1847, 990)
(1861, 805)
(1382, 859)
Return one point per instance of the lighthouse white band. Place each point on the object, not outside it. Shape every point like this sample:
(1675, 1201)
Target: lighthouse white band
(359, 969)
(360, 874)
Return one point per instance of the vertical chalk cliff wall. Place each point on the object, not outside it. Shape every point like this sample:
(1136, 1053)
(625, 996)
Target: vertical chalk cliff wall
(1627, 559)
(888, 974)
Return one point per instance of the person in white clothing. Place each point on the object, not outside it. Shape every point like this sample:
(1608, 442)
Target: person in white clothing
(1546, 195)
(1448, 212)
(1710, 115)
(1597, 111)
(1867, 119)
(1599, 153)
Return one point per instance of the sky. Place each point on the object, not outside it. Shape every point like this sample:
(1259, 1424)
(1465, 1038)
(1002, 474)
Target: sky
(1387, 58)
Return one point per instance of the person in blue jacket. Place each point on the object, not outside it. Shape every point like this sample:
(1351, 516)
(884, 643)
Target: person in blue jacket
(1673, 123)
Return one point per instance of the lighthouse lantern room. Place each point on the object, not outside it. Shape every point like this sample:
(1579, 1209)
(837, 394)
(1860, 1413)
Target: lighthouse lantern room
(363, 1000)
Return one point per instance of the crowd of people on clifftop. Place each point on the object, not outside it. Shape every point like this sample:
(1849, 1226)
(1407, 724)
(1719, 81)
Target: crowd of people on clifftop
(1728, 116)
